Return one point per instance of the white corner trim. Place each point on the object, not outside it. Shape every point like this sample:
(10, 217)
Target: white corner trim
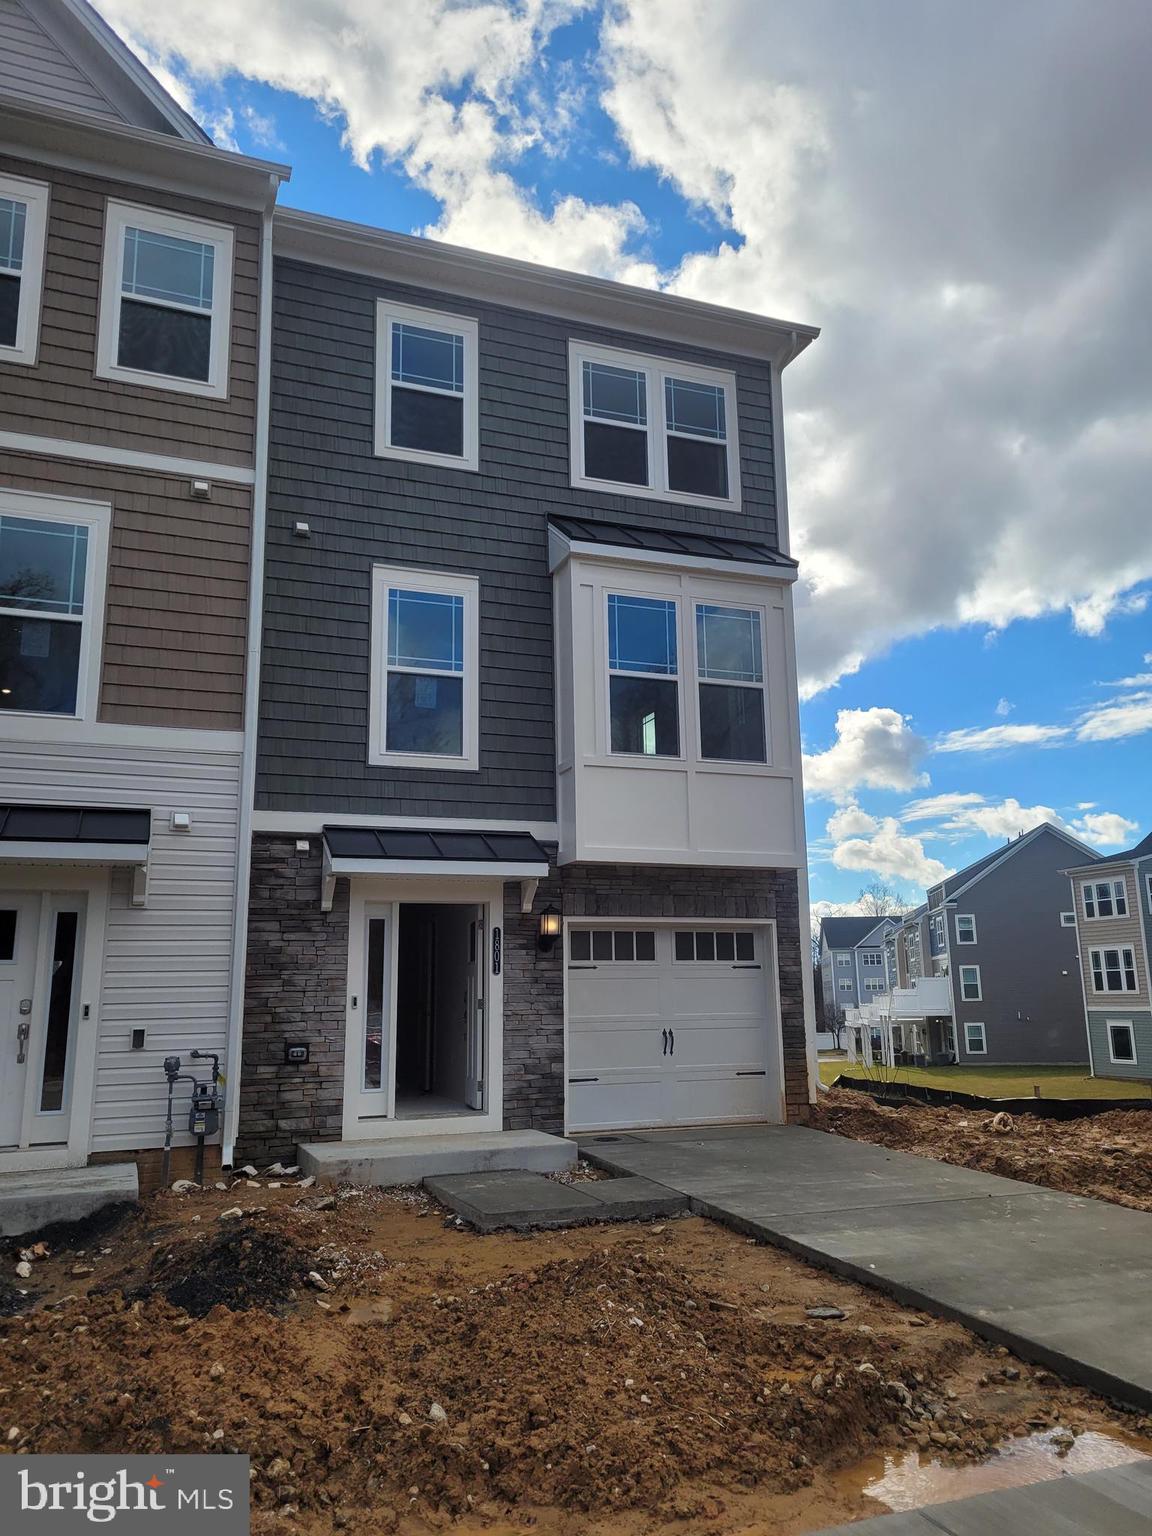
(125, 458)
(35, 196)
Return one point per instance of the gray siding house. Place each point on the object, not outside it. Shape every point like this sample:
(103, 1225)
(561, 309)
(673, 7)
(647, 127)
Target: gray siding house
(528, 833)
(853, 966)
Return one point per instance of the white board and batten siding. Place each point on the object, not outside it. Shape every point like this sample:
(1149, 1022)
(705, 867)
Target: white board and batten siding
(166, 965)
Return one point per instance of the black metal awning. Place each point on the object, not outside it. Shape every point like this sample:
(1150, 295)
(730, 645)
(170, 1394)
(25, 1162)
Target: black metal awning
(668, 541)
(461, 852)
(73, 824)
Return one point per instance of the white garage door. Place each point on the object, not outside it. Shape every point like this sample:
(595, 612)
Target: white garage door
(668, 1026)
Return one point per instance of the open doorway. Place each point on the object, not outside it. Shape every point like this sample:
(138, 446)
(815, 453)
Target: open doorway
(439, 1011)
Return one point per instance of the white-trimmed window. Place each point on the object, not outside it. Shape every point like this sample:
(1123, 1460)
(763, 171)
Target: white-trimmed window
(871, 957)
(619, 945)
(1121, 1043)
(53, 555)
(845, 986)
(965, 928)
(1148, 880)
(735, 946)
(730, 674)
(425, 669)
(948, 1036)
(1105, 898)
(23, 222)
(843, 959)
(975, 1040)
(1113, 970)
(427, 391)
(970, 984)
(165, 301)
(873, 984)
(1068, 919)
(651, 427)
(643, 675)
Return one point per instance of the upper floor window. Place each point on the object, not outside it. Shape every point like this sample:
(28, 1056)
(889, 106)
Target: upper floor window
(1113, 970)
(165, 301)
(1148, 881)
(1105, 898)
(425, 666)
(970, 984)
(730, 669)
(1068, 919)
(51, 599)
(427, 401)
(871, 957)
(652, 428)
(23, 219)
(843, 959)
(643, 691)
(965, 928)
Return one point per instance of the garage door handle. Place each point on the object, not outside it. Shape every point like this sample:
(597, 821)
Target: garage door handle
(583, 1079)
(746, 965)
(671, 1042)
(761, 1073)
(664, 1032)
(582, 967)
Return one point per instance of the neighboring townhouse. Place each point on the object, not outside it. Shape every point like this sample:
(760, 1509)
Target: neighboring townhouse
(130, 261)
(986, 969)
(529, 845)
(1112, 914)
(853, 962)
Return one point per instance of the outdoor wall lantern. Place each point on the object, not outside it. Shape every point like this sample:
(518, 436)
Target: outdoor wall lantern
(549, 929)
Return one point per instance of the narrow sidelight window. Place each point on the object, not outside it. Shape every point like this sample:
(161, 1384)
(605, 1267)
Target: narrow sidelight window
(43, 580)
(166, 301)
(644, 698)
(23, 219)
(730, 666)
(426, 389)
(58, 1035)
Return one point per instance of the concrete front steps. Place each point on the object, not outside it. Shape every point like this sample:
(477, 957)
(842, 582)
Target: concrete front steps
(411, 1159)
(29, 1201)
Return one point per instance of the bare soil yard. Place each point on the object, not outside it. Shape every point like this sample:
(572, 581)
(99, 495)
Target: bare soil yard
(1108, 1156)
(389, 1372)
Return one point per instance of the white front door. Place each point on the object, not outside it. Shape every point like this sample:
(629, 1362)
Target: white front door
(669, 1025)
(41, 949)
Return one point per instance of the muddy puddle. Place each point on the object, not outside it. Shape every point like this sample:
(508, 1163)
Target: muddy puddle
(909, 1480)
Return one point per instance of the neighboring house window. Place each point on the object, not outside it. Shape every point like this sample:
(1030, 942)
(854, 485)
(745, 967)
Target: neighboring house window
(843, 959)
(845, 986)
(948, 1035)
(425, 667)
(710, 944)
(1113, 970)
(427, 392)
(23, 221)
(873, 984)
(975, 1041)
(52, 556)
(1148, 879)
(1105, 898)
(1068, 919)
(165, 301)
(611, 944)
(1121, 1042)
(643, 691)
(871, 957)
(730, 669)
(970, 983)
(652, 427)
(965, 929)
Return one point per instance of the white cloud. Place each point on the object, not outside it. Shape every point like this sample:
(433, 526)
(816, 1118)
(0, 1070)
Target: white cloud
(874, 748)
(1004, 707)
(1105, 829)
(937, 806)
(1129, 716)
(963, 814)
(850, 821)
(995, 738)
(887, 850)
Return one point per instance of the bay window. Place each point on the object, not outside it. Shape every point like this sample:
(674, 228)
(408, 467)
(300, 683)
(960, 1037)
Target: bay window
(643, 690)
(730, 669)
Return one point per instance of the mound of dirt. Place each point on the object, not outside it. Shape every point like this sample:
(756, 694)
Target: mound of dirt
(1107, 1156)
(85, 1232)
(239, 1268)
(14, 1298)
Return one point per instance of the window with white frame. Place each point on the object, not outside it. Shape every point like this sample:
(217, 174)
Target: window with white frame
(23, 222)
(965, 928)
(844, 960)
(871, 957)
(425, 672)
(52, 555)
(1121, 1043)
(873, 984)
(938, 927)
(614, 944)
(643, 675)
(1113, 970)
(948, 1037)
(845, 986)
(1068, 919)
(1105, 898)
(427, 390)
(652, 427)
(730, 673)
(975, 1040)
(165, 301)
(970, 983)
(1148, 882)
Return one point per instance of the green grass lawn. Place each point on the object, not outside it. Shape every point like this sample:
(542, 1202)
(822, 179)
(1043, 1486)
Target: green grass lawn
(996, 1082)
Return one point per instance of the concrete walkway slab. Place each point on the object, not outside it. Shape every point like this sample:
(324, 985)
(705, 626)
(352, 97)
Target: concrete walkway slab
(395, 1160)
(524, 1202)
(1063, 1281)
(1117, 1502)
(29, 1201)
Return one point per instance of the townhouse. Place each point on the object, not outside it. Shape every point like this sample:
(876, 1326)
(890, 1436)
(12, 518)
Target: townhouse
(1111, 912)
(854, 964)
(131, 254)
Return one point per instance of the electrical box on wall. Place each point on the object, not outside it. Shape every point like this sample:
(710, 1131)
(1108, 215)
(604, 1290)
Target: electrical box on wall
(295, 1055)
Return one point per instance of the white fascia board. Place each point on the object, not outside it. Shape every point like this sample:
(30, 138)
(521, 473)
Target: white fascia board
(593, 301)
(561, 548)
(73, 853)
(477, 869)
(144, 158)
(311, 823)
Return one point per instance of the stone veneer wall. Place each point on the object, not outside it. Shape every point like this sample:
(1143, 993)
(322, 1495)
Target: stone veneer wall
(534, 982)
(297, 975)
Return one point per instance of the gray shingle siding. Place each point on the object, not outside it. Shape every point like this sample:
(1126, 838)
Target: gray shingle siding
(492, 524)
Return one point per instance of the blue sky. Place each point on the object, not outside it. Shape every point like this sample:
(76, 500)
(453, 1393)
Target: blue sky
(970, 440)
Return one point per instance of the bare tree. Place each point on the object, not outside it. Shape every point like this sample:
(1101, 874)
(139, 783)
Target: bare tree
(881, 900)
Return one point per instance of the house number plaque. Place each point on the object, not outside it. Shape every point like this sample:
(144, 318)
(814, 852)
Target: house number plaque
(497, 947)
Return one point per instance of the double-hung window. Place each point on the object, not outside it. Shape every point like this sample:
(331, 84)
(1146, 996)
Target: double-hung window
(166, 301)
(23, 220)
(1105, 898)
(975, 1040)
(643, 673)
(650, 427)
(424, 705)
(1113, 970)
(427, 398)
(51, 600)
(730, 669)
(965, 928)
(970, 983)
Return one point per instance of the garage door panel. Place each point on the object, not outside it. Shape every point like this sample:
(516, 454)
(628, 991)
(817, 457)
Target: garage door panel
(717, 994)
(703, 1099)
(612, 992)
(718, 1045)
(614, 1044)
(613, 1101)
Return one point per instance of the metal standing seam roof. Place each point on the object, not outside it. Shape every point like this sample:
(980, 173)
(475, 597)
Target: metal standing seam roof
(434, 845)
(73, 824)
(671, 541)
